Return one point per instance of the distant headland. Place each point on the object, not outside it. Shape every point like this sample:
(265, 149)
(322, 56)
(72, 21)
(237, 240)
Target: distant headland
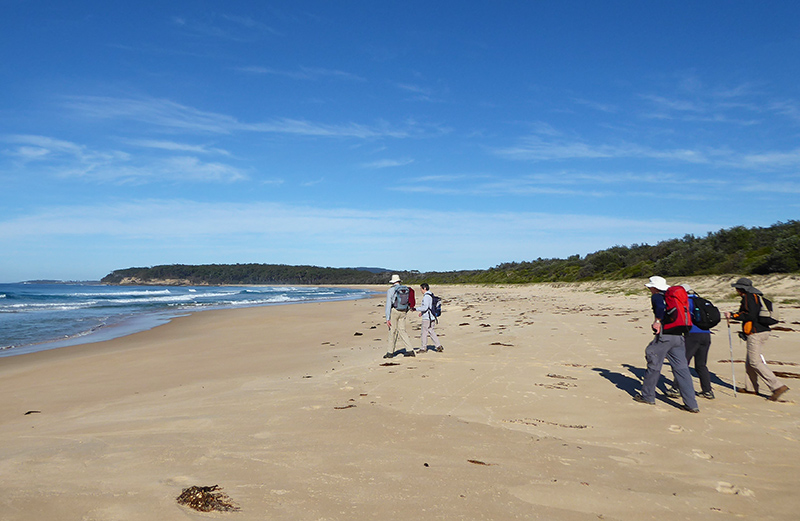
(746, 251)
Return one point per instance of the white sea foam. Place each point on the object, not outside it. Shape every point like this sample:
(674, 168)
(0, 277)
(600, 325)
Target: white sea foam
(32, 315)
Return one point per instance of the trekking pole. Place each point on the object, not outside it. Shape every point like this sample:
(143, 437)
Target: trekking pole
(730, 343)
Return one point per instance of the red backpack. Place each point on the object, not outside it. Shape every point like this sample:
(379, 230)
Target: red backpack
(678, 317)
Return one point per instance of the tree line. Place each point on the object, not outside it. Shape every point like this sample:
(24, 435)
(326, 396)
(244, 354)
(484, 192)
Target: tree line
(740, 250)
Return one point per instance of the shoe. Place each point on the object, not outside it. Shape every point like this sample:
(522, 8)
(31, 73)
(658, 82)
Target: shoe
(673, 393)
(639, 398)
(742, 390)
(389, 355)
(690, 409)
(409, 353)
(439, 349)
(708, 395)
(777, 393)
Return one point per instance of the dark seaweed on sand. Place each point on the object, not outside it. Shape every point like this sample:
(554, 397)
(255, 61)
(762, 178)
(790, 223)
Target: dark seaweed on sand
(206, 499)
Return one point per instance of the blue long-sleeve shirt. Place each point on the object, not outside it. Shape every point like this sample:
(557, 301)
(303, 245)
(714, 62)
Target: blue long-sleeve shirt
(659, 304)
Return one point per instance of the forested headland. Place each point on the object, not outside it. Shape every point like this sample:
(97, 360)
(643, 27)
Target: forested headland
(737, 250)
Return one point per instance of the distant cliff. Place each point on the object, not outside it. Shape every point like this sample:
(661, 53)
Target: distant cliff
(264, 274)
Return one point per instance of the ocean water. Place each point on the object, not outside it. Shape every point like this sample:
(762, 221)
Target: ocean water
(35, 317)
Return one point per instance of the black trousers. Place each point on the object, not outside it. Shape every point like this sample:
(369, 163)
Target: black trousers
(697, 346)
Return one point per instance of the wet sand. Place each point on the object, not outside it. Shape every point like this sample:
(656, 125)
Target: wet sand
(527, 414)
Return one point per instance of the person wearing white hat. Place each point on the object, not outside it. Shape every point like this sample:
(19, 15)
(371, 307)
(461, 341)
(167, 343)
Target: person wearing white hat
(669, 345)
(397, 307)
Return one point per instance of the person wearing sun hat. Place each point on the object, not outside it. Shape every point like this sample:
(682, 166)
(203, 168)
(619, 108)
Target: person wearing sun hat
(396, 320)
(756, 335)
(665, 344)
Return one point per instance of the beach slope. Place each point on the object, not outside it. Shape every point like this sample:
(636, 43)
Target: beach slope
(293, 412)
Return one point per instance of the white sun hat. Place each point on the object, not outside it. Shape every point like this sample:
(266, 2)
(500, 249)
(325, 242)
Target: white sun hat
(658, 282)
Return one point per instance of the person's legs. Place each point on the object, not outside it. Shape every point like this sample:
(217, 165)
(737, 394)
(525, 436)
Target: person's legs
(393, 331)
(692, 345)
(432, 332)
(701, 363)
(755, 364)
(424, 336)
(401, 330)
(676, 354)
(654, 355)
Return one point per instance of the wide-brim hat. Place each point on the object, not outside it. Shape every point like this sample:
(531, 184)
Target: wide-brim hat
(395, 278)
(688, 288)
(657, 282)
(746, 285)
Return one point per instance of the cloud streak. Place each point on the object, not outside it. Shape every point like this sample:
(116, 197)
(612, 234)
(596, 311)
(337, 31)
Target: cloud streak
(173, 116)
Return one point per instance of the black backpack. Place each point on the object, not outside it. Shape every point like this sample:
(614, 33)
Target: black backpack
(436, 306)
(705, 315)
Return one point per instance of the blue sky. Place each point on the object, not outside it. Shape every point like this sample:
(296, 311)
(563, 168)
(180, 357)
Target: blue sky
(408, 135)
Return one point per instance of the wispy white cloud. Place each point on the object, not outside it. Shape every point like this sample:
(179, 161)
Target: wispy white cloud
(303, 73)
(225, 27)
(572, 184)
(64, 159)
(388, 163)
(176, 147)
(170, 115)
(602, 107)
(534, 148)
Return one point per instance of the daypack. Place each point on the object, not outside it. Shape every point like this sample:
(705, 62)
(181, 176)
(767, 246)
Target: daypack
(767, 316)
(401, 298)
(677, 319)
(705, 315)
(436, 306)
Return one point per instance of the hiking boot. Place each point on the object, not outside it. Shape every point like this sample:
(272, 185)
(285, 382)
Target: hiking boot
(672, 392)
(777, 393)
(690, 409)
(439, 349)
(708, 395)
(639, 398)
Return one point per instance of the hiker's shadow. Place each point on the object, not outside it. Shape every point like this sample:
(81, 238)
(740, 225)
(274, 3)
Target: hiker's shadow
(624, 382)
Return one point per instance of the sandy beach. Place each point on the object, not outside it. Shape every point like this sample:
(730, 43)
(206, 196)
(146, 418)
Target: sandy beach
(527, 414)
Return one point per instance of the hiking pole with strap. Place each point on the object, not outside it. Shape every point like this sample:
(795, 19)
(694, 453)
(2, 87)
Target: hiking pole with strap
(730, 343)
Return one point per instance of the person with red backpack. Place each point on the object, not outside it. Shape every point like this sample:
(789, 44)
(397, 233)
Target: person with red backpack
(398, 303)
(672, 320)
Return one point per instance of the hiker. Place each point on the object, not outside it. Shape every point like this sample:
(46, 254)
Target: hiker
(668, 342)
(428, 320)
(756, 335)
(698, 342)
(397, 307)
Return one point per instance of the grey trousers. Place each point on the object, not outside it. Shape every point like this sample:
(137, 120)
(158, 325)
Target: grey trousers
(427, 330)
(673, 348)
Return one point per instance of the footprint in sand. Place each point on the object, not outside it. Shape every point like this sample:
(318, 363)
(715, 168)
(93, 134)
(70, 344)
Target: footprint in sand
(697, 453)
(676, 428)
(729, 488)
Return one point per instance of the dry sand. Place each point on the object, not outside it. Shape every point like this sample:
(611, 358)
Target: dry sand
(292, 410)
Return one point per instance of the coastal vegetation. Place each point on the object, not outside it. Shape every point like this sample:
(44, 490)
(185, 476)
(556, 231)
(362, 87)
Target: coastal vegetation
(759, 251)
